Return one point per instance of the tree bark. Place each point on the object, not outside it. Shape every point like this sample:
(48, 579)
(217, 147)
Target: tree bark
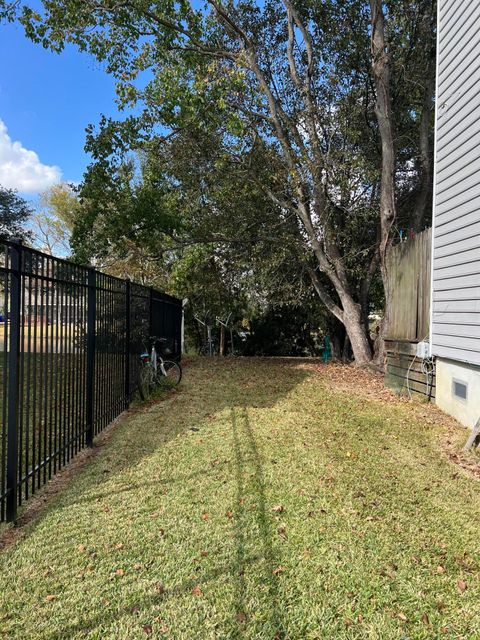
(383, 110)
(222, 340)
(354, 325)
(350, 315)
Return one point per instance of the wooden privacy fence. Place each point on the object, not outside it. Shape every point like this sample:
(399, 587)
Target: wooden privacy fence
(409, 273)
(70, 345)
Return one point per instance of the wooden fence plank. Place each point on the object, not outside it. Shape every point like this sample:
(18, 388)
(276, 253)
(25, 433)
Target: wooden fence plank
(408, 269)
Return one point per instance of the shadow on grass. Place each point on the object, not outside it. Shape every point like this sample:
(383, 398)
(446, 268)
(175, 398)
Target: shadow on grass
(242, 432)
(247, 463)
(209, 388)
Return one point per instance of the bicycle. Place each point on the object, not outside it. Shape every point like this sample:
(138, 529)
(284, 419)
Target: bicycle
(154, 370)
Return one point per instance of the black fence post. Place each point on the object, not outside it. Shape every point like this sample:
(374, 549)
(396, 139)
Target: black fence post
(13, 379)
(91, 320)
(150, 325)
(127, 341)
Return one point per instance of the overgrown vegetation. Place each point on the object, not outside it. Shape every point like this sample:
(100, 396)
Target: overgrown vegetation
(262, 500)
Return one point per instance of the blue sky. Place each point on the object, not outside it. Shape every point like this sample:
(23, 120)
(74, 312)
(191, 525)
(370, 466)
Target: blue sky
(46, 101)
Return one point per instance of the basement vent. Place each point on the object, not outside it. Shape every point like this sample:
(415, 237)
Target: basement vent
(459, 389)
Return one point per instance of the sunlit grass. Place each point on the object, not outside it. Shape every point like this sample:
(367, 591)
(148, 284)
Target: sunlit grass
(256, 502)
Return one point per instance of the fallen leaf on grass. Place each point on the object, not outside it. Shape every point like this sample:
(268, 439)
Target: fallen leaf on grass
(82, 548)
(229, 514)
(440, 569)
(163, 627)
(204, 554)
(120, 572)
(241, 616)
(159, 588)
(50, 598)
(348, 622)
(402, 617)
(205, 515)
(461, 586)
(278, 508)
(196, 591)
(278, 570)
(425, 619)
(147, 628)
(119, 546)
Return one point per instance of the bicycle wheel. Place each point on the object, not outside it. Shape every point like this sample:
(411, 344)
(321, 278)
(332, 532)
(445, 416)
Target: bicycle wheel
(145, 382)
(173, 371)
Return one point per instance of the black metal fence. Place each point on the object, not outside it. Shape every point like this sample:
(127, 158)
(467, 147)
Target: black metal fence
(70, 340)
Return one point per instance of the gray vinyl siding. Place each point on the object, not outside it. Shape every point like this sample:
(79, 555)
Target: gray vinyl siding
(456, 234)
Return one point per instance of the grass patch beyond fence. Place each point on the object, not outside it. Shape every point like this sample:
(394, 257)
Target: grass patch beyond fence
(265, 499)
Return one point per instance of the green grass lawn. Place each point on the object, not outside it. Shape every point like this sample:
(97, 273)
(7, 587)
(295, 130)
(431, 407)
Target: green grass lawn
(265, 499)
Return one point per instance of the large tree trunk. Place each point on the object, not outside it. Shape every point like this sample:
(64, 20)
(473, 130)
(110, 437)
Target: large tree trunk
(355, 327)
(350, 315)
(383, 111)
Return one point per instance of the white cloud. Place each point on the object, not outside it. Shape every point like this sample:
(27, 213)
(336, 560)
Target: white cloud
(21, 168)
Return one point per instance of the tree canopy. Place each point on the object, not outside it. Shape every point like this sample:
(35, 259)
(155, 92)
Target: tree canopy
(54, 219)
(14, 215)
(301, 126)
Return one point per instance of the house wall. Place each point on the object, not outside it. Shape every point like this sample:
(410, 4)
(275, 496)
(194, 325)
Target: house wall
(465, 411)
(455, 323)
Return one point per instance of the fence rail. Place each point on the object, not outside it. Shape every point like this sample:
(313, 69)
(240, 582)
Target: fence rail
(70, 339)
